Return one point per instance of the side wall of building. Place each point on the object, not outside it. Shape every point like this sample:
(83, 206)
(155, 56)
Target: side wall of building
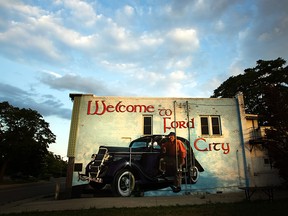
(115, 121)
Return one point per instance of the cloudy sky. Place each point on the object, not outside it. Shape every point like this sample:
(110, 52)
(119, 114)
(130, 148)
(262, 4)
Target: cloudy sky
(165, 48)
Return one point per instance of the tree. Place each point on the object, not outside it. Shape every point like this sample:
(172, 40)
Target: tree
(55, 165)
(257, 84)
(265, 89)
(24, 139)
(277, 135)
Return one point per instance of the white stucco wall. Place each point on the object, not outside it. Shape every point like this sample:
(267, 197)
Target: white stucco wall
(99, 122)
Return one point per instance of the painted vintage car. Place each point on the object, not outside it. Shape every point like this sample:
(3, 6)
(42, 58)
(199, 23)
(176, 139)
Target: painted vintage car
(137, 168)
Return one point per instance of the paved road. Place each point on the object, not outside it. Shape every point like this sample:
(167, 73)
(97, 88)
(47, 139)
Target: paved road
(16, 192)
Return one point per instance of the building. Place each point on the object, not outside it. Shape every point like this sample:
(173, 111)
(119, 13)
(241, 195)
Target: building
(260, 169)
(217, 128)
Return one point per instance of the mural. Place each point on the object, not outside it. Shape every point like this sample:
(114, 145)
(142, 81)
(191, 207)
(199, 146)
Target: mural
(211, 128)
(149, 163)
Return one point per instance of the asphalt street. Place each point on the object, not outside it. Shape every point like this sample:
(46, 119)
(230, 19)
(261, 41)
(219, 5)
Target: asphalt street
(17, 192)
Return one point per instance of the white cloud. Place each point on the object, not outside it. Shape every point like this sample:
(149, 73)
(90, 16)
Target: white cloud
(182, 40)
(73, 82)
(177, 48)
(81, 12)
(52, 73)
(22, 40)
(179, 63)
(118, 67)
(52, 41)
(150, 40)
(219, 25)
(45, 104)
(48, 36)
(128, 10)
(175, 83)
(265, 36)
(18, 10)
(184, 37)
(177, 75)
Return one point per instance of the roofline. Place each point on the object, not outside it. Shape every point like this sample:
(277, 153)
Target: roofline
(73, 95)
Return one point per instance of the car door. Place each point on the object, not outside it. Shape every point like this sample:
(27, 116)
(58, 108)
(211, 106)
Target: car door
(149, 151)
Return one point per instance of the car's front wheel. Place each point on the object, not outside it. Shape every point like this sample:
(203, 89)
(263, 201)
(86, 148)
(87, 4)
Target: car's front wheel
(123, 183)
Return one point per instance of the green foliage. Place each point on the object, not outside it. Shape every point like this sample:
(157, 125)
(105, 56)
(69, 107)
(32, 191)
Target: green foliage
(257, 85)
(265, 89)
(24, 139)
(55, 166)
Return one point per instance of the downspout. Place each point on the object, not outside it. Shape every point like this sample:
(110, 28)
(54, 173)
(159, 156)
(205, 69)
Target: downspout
(189, 136)
(247, 183)
(176, 156)
(188, 117)
(190, 148)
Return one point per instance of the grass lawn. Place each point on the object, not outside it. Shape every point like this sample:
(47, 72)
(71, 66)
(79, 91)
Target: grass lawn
(261, 207)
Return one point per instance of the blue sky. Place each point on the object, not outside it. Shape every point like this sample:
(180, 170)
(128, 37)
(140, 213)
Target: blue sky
(187, 48)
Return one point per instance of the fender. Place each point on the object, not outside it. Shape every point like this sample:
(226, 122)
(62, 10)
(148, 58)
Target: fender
(115, 166)
(121, 164)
